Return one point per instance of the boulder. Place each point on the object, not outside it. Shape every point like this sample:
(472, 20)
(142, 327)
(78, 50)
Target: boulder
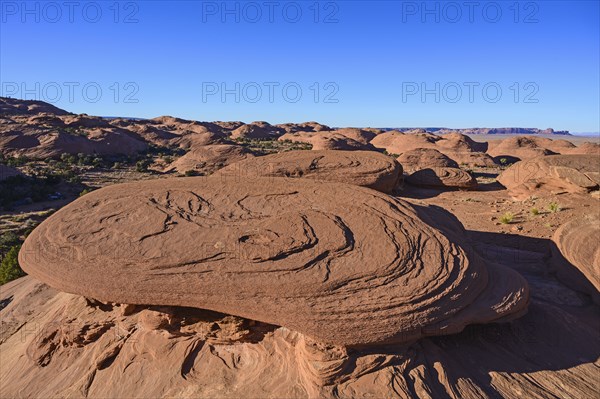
(342, 264)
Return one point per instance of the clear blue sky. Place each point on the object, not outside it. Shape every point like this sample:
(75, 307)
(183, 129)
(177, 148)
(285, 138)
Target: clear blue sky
(370, 60)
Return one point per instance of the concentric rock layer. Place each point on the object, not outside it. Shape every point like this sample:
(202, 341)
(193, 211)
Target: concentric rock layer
(342, 264)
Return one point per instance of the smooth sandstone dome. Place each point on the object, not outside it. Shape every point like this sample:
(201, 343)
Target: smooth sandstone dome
(424, 158)
(343, 264)
(577, 240)
(443, 178)
(362, 168)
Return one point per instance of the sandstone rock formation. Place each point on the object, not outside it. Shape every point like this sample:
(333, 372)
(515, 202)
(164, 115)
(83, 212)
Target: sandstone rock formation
(442, 178)
(552, 174)
(458, 147)
(326, 141)
(209, 158)
(257, 131)
(363, 168)
(342, 264)
(14, 106)
(578, 241)
(425, 158)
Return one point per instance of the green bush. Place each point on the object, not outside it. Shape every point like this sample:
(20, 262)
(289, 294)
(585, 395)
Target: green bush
(9, 267)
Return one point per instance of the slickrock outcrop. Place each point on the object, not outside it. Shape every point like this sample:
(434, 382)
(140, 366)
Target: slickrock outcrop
(326, 141)
(552, 174)
(578, 241)
(14, 106)
(55, 344)
(303, 127)
(343, 264)
(257, 131)
(361, 135)
(362, 168)
(209, 158)
(458, 147)
(442, 178)
(425, 158)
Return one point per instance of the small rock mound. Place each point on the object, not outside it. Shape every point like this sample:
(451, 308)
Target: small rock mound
(443, 178)
(577, 240)
(343, 264)
(363, 168)
(327, 141)
(209, 158)
(458, 147)
(552, 174)
(425, 158)
(257, 131)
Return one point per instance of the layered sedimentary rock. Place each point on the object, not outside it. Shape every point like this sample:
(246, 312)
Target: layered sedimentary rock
(424, 158)
(552, 174)
(343, 264)
(442, 178)
(257, 131)
(326, 141)
(208, 158)
(578, 242)
(458, 147)
(362, 168)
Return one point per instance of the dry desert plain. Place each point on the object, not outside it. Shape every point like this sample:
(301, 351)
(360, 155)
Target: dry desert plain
(185, 259)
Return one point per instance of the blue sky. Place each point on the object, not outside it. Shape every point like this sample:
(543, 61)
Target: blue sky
(343, 63)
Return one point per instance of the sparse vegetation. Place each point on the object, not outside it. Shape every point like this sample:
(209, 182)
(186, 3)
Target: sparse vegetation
(534, 211)
(554, 207)
(9, 267)
(507, 218)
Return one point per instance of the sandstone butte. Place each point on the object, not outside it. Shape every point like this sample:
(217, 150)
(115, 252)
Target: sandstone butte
(362, 168)
(342, 264)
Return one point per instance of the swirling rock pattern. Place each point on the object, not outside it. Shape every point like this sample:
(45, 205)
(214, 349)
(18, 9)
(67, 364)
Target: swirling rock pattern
(424, 158)
(443, 178)
(343, 264)
(577, 241)
(362, 168)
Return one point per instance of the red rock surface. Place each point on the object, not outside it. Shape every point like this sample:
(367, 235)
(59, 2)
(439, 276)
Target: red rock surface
(363, 168)
(342, 264)
(552, 174)
(442, 178)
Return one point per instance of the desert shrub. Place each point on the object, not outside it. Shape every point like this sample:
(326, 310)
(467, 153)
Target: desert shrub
(507, 218)
(534, 211)
(85, 191)
(9, 267)
(142, 165)
(554, 207)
